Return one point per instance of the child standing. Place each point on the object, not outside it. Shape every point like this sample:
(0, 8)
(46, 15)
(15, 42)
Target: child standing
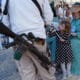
(63, 49)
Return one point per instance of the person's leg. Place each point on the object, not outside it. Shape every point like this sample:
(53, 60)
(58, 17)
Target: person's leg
(26, 69)
(63, 67)
(44, 74)
(51, 42)
(69, 69)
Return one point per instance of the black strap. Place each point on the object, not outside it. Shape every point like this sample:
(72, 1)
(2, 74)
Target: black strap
(5, 12)
(38, 6)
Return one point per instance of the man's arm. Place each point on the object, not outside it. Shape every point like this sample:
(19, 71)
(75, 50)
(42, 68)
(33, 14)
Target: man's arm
(47, 12)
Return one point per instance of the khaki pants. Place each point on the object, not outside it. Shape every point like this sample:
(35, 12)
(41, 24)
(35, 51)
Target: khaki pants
(27, 69)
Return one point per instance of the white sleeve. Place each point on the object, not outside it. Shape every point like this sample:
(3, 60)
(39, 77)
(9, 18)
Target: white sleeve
(47, 12)
(5, 18)
(3, 4)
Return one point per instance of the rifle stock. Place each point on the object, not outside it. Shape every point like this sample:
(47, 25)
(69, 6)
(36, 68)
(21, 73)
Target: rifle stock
(6, 31)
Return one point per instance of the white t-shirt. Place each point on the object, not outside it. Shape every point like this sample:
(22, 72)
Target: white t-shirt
(60, 12)
(25, 16)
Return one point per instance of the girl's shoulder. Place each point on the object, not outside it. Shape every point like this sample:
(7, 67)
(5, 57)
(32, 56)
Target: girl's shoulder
(58, 32)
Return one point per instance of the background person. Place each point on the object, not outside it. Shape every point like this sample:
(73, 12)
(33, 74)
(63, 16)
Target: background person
(64, 54)
(75, 41)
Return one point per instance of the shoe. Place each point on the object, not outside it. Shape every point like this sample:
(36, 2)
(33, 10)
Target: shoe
(64, 77)
(69, 75)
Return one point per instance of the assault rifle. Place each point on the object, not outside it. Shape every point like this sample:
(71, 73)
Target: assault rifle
(19, 40)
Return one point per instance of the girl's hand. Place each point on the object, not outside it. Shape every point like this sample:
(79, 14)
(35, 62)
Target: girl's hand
(73, 34)
(52, 29)
(62, 40)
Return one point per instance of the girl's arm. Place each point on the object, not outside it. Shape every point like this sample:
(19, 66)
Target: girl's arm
(66, 38)
(78, 35)
(50, 31)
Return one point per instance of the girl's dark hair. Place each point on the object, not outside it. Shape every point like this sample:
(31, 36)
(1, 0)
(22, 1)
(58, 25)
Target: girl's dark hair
(67, 26)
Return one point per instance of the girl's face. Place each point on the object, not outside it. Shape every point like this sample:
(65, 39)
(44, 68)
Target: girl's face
(62, 27)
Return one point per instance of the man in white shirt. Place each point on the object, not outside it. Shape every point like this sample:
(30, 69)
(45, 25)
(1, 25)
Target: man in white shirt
(24, 18)
(61, 12)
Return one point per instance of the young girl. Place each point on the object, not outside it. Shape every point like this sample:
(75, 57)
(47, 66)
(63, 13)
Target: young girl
(63, 49)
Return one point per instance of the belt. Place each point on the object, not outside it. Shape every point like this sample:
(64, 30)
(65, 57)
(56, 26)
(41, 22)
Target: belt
(40, 41)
